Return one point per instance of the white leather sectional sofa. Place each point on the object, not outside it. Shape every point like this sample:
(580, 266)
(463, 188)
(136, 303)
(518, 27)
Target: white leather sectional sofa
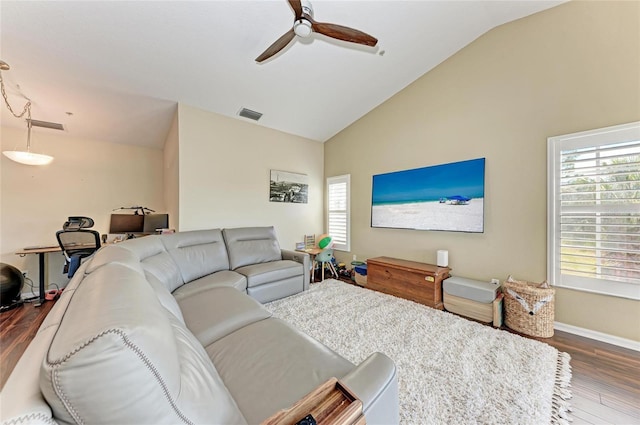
(169, 329)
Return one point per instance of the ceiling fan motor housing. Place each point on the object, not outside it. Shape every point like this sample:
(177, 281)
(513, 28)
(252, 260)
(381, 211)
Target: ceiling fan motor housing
(307, 8)
(302, 27)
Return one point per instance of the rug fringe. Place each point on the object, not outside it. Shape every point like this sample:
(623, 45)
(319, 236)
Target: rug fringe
(561, 391)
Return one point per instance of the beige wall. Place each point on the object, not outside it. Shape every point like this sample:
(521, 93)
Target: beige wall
(574, 67)
(86, 178)
(172, 174)
(225, 166)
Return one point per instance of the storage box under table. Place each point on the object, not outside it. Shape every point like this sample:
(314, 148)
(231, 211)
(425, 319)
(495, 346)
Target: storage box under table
(475, 299)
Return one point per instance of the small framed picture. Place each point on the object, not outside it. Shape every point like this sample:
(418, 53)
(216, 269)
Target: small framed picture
(288, 187)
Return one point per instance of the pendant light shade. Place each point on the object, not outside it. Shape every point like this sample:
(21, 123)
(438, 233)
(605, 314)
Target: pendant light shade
(28, 158)
(23, 157)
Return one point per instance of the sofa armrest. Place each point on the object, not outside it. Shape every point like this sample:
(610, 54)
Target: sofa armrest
(375, 383)
(302, 258)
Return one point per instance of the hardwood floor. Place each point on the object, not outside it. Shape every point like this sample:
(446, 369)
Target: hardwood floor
(605, 382)
(17, 329)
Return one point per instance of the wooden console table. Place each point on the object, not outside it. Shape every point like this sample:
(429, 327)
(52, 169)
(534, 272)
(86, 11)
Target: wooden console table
(411, 280)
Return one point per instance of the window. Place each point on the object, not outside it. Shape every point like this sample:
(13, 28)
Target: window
(594, 210)
(338, 219)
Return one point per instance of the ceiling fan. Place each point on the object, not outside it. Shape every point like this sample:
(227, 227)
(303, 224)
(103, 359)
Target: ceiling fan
(304, 25)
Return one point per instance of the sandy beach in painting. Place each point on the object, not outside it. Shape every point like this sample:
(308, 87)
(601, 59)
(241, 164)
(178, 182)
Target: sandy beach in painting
(430, 216)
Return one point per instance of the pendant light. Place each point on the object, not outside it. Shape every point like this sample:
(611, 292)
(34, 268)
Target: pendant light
(23, 157)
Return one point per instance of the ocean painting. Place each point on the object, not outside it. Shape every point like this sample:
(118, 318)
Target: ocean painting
(447, 197)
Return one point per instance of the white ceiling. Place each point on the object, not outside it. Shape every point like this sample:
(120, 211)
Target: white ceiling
(121, 66)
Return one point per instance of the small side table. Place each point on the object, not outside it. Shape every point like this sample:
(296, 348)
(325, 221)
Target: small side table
(312, 253)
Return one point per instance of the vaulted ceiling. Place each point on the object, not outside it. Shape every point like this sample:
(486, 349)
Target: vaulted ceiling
(120, 67)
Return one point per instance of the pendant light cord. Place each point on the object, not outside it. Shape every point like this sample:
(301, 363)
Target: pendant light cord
(27, 106)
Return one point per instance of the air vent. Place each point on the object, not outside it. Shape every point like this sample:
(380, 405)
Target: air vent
(47, 124)
(248, 113)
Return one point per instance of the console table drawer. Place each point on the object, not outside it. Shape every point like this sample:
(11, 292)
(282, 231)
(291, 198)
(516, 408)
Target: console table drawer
(419, 282)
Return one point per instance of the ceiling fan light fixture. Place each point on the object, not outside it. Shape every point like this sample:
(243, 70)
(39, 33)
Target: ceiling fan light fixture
(302, 28)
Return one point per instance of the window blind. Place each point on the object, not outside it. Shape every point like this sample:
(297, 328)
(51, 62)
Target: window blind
(600, 212)
(596, 223)
(338, 211)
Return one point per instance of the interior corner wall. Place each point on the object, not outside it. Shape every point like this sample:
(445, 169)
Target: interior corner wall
(171, 174)
(87, 178)
(224, 176)
(570, 68)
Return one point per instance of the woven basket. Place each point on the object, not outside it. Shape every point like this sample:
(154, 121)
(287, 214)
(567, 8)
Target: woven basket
(529, 308)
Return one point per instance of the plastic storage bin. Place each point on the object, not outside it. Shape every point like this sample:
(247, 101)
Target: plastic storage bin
(360, 274)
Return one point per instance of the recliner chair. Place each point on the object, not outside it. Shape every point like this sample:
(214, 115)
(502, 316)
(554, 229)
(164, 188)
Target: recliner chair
(77, 242)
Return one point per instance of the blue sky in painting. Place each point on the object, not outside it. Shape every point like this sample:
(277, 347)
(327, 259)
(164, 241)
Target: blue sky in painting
(465, 178)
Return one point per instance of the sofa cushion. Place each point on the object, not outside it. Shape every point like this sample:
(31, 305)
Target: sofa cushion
(154, 258)
(197, 253)
(216, 313)
(113, 254)
(251, 245)
(129, 361)
(286, 367)
(144, 247)
(163, 268)
(261, 273)
(165, 298)
(276, 290)
(224, 278)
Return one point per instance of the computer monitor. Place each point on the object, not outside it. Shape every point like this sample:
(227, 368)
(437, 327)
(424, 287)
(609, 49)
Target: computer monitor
(126, 224)
(153, 222)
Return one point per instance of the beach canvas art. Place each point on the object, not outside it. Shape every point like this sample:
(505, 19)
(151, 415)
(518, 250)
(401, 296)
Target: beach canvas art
(447, 197)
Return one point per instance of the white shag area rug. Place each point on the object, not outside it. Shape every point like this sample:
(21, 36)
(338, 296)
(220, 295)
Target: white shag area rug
(450, 370)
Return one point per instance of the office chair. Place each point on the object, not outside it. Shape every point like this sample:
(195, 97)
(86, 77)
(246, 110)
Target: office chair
(77, 242)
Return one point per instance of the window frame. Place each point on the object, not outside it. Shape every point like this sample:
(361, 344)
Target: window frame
(346, 178)
(557, 144)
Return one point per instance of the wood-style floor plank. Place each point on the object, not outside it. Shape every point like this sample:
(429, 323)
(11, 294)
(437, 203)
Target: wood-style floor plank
(604, 413)
(17, 329)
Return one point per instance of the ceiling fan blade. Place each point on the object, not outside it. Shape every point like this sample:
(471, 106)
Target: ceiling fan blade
(296, 5)
(343, 33)
(280, 44)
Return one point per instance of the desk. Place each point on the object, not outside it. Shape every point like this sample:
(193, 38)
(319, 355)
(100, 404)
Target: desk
(41, 251)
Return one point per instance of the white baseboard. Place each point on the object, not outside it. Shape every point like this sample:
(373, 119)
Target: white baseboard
(598, 336)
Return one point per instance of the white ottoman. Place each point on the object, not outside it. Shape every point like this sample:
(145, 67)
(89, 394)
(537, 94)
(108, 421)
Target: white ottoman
(481, 301)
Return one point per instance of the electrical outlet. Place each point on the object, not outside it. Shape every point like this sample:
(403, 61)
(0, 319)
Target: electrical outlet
(355, 258)
(495, 281)
(24, 274)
